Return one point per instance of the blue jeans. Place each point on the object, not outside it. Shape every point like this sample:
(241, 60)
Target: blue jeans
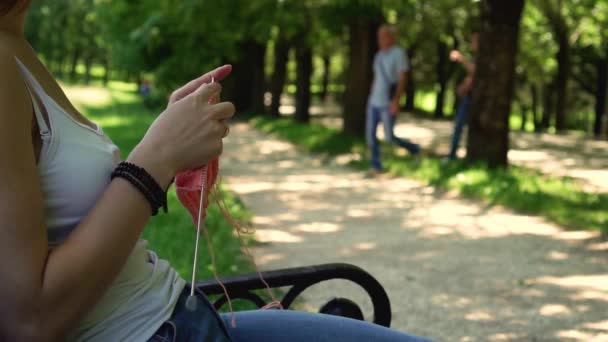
(374, 116)
(270, 326)
(462, 116)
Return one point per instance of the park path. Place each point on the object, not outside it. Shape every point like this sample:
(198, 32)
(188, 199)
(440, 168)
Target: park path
(455, 270)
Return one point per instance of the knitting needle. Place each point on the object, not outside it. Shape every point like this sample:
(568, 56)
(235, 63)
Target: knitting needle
(191, 302)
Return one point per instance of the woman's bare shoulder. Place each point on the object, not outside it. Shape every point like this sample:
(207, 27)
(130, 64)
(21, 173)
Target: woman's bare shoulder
(15, 103)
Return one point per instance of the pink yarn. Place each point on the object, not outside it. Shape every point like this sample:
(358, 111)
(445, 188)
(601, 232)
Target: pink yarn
(188, 187)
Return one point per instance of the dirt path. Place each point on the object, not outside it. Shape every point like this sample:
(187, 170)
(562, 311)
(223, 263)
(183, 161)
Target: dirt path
(454, 270)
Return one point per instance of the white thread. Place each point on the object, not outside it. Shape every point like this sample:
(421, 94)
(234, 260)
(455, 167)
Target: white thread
(198, 235)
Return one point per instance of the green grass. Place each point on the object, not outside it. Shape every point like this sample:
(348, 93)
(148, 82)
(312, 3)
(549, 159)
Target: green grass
(561, 200)
(124, 119)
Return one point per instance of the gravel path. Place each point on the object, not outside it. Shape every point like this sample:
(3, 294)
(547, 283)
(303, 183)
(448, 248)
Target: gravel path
(455, 270)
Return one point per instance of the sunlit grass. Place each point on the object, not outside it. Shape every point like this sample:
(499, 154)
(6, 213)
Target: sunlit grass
(125, 120)
(559, 199)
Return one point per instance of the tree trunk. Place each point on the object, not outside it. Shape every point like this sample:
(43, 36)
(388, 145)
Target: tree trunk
(106, 74)
(442, 76)
(563, 62)
(524, 116)
(257, 57)
(88, 63)
(74, 66)
(494, 82)
(359, 75)
(410, 90)
(534, 94)
(547, 107)
(326, 75)
(303, 76)
(281, 56)
(600, 96)
(247, 91)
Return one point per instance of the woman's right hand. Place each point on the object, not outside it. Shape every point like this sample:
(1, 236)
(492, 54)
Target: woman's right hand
(187, 135)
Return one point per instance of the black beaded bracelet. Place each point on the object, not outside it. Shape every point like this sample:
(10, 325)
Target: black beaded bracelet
(148, 181)
(145, 183)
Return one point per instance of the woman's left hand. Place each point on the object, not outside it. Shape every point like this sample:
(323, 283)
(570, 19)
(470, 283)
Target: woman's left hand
(215, 75)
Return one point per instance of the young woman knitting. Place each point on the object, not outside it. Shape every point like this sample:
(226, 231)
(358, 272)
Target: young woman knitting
(72, 264)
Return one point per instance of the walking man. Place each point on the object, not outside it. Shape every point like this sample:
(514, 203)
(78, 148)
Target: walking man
(390, 80)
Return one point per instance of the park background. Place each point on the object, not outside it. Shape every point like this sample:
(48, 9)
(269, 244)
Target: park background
(517, 225)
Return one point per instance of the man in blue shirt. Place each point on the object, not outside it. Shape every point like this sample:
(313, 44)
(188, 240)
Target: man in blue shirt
(390, 79)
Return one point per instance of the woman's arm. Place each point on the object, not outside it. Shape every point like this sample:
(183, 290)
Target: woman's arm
(43, 293)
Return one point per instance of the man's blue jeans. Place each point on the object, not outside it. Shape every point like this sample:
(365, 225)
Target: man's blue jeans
(375, 115)
(462, 116)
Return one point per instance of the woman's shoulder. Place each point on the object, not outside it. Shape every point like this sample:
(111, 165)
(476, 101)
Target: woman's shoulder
(14, 96)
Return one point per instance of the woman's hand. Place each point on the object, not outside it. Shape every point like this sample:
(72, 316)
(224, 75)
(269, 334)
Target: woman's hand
(188, 133)
(215, 75)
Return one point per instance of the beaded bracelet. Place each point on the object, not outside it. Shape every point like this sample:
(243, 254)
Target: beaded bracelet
(145, 183)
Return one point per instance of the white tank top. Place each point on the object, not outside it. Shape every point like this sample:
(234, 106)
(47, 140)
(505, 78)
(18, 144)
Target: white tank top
(75, 165)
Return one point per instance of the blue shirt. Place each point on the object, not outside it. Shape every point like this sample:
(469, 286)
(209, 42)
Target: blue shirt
(388, 65)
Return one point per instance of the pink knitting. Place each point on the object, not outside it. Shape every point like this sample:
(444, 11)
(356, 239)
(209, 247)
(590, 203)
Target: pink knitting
(188, 187)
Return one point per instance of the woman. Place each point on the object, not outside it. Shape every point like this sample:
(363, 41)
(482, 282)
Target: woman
(71, 262)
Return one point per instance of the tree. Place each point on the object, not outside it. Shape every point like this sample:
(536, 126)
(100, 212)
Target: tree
(362, 18)
(494, 82)
(590, 61)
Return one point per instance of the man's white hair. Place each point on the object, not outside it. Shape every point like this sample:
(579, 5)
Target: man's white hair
(392, 29)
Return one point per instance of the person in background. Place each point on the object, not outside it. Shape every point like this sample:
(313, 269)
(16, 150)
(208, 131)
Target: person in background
(464, 90)
(390, 79)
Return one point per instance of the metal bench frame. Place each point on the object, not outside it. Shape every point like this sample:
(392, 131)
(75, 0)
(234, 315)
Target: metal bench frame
(298, 280)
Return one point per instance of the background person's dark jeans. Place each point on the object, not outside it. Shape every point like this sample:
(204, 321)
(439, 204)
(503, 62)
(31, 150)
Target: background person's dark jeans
(375, 115)
(462, 116)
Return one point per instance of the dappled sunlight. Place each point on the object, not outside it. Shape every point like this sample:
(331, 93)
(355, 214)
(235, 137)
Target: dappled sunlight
(365, 246)
(254, 187)
(598, 247)
(358, 213)
(578, 335)
(556, 255)
(526, 156)
(554, 310)
(276, 236)
(265, 147)
(268, 258)
(492, 272)
(596, 178)
(447, 301)
(318, 227)
(603, 325)
(480, 315)
(503, 337)
(418, 256)
(584, 287)
(89, 96)
(286, 164)
(579, 235)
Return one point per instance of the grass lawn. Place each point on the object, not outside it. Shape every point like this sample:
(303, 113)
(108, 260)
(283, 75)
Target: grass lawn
(118, 109)
(560, 200)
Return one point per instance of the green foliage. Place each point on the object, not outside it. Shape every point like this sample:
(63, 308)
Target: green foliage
(171, 42)
(561, 200)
